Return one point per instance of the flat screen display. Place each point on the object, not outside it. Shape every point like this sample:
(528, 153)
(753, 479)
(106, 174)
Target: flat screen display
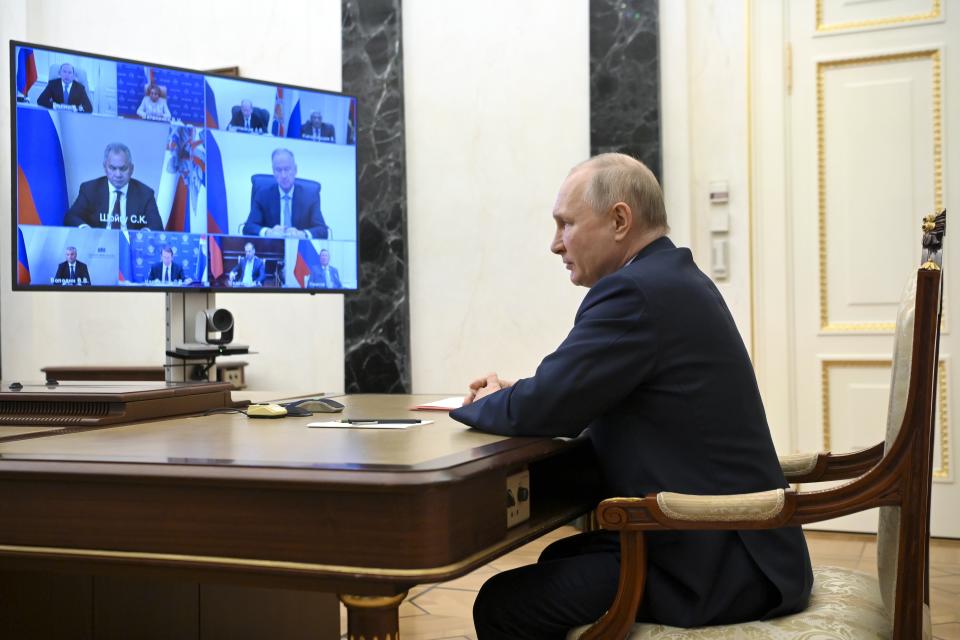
(134, 176)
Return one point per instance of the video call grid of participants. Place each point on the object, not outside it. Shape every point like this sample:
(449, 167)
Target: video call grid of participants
(196, 181)
(73, 257)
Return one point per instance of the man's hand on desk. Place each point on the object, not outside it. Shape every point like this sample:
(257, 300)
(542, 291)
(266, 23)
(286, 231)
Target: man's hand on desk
(485, 386)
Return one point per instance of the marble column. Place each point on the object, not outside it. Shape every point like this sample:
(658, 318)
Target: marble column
(377, 317)
(625, 79)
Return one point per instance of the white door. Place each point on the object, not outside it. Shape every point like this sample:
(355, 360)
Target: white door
(869, 137)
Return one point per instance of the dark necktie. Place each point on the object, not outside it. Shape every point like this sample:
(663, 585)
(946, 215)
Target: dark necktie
(166, 274)
(286, 210)
(73, 274)
(115, 215)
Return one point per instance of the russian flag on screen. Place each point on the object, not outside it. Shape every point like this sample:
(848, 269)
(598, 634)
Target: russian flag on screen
(125, 273)
(307, 259)
(41, 178)
(217, 218)
(293, 126)
(180, 212)
(211, 107)
(216, 257)
(26, 70)
(23, 264)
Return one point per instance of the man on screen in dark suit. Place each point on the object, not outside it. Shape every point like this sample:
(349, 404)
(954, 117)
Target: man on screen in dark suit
(116, 201)
(656, 371)
(76, 93)
(250, 270)
(286, 209)
(316, 129)
(167, 270)
(71, 272)
(247, 118)
(324, 276)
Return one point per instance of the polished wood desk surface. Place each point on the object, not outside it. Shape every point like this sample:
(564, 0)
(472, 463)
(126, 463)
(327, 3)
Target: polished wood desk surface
(364, 513)
(233, 439)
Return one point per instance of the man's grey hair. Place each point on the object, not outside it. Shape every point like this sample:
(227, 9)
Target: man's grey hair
(617, 177)
(117, 147)
(66, 64)
(273, 156)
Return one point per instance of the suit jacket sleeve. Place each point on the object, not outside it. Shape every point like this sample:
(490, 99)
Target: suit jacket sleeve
(259, 271)
(84, 207)
(335, 277)
(83, 274)
(312, 219)
(79, 97)
(259, 214)
(611, 350)
(45, 99)
(141, 201)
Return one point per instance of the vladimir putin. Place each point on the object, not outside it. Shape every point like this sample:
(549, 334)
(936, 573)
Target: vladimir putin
(71, 272)
(285, 209)
(65, 91)
(115, 201)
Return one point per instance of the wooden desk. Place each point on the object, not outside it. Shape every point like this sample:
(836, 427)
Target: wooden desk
(363, 513)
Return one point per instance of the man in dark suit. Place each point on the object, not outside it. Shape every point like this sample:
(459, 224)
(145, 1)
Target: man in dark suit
(324, 276)
(250, 270)
(71, 272)
(657, 370)
(65, 91)
(285, 209)
(167, 270)
(246, 118)
(115, 201)
(316, 129)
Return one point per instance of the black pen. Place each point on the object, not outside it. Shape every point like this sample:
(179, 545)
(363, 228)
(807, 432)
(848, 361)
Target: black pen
(382, 420)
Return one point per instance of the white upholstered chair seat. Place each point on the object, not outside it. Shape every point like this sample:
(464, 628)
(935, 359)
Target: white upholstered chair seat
(844, 605)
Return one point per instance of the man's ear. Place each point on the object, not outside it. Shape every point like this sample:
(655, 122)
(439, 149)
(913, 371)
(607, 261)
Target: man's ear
(622, 217)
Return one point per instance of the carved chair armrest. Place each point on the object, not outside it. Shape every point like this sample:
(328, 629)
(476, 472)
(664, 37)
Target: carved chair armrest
(823, 465)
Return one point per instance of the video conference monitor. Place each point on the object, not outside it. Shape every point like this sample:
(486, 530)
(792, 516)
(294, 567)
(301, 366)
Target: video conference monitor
(136, 176)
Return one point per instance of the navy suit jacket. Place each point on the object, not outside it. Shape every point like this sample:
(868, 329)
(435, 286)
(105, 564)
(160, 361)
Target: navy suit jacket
(93, 202)
(265, 211)
(81, 277)
(156, 272)
(317, 281)
(656, 368)
(53, 92)
(256, 122)
(259, 273)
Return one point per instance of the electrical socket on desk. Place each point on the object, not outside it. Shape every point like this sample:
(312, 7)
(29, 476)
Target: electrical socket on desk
(518, 498)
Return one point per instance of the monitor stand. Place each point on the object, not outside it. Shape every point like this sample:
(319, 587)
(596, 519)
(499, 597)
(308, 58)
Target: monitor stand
(181, 312)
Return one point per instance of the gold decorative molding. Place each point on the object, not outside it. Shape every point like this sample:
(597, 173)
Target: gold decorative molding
(941, 472)
(934, 13)
(822, 67)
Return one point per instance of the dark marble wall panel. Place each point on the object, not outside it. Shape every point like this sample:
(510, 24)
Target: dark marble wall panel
(377, 318)
(625, 79)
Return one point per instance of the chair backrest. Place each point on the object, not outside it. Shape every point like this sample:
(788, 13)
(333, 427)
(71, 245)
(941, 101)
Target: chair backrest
(909, 377)
(79, 74)
(262, 113)
(267, 181)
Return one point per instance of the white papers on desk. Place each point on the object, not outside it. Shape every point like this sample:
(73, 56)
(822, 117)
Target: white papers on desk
(336, 424)
(447, 404)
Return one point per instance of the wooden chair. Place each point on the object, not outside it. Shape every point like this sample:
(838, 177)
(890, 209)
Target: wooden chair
(894, 475)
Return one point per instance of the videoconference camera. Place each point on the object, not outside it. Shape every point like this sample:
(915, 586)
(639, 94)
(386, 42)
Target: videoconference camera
(214, 321)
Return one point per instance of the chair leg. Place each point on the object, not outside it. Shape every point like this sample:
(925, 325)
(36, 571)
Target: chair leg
(616, 623)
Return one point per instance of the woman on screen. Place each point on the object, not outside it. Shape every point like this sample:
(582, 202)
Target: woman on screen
(154, 106)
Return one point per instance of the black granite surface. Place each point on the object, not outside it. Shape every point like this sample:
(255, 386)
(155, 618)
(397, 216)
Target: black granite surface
(377, 317)
(625, 79)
